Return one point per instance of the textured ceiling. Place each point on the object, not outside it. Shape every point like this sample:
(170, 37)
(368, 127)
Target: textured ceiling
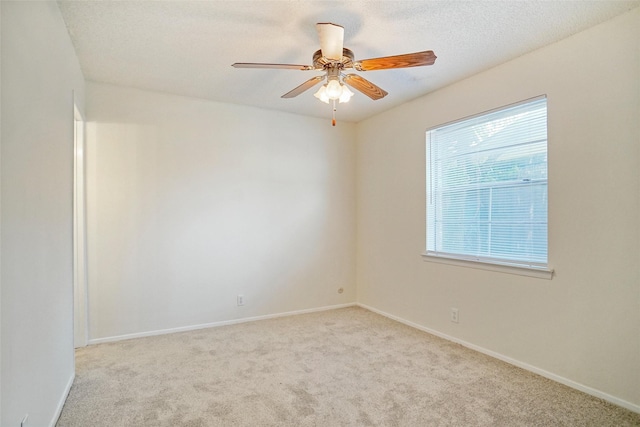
(187, 47)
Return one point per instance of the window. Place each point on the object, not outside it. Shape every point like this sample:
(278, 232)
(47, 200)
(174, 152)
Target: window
(487, 187)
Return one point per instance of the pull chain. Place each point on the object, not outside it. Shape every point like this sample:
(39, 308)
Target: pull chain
(333, 120)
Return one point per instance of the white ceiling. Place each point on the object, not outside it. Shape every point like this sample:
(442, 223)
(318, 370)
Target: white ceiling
(187, 47)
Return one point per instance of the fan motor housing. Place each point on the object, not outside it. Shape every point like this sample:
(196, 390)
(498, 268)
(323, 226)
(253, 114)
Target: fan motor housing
(320, 62)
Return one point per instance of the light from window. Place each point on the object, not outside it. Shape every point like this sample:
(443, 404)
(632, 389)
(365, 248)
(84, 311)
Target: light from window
(487, 187)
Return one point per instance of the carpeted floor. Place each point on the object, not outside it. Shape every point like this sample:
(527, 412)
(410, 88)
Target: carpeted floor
(346, 367)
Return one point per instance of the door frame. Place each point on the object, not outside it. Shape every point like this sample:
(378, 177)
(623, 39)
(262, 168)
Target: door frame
(80, 316)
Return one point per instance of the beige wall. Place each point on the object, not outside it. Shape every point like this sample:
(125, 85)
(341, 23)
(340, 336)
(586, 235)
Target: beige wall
(582, 326)
(194, 202)
(40, 74)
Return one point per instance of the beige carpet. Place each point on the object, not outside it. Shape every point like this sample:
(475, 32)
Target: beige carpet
(346, 367)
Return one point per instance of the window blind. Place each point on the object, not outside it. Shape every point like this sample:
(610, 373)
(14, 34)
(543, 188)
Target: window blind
(487, 187)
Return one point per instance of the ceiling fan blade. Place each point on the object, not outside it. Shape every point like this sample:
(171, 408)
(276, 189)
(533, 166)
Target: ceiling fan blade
(417, 59)
(364, 86)
(278, 66)
(331, 40)
(303, 87)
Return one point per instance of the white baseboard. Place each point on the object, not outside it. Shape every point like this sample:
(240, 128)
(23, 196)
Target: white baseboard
(557, 378)
(214, 324)
(63, 399)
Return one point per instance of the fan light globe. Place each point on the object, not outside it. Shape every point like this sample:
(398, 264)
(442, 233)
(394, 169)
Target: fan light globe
(334, 89)
(346, 94)
(321, 94)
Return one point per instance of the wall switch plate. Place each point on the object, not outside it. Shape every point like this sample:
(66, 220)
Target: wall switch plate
(454, 315)
(240, 300)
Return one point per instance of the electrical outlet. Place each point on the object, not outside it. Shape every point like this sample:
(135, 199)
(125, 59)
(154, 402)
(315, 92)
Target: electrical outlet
(454, 315)
(23, 423)
(240, 300)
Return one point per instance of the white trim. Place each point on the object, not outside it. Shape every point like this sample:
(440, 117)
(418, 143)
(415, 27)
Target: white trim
(63, 399)
(557, 378)
(80, 315)
(215, 324)
(540, 273)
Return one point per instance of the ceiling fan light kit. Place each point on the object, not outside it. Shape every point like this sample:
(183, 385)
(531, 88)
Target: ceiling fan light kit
(334, 89)
(333, 58)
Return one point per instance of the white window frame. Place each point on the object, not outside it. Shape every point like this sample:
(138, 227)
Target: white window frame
(526, 268)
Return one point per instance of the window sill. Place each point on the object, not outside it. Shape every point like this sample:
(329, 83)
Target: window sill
(540, 273)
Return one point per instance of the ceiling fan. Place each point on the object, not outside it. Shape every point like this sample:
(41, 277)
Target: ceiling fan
(333, 58)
